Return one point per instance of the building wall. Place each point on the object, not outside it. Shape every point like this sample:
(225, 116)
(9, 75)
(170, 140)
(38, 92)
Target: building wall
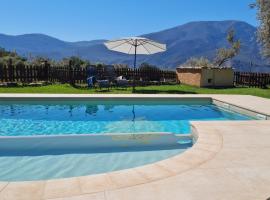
(225, 77)
(203, 77)
(189, 76)
(217, 77)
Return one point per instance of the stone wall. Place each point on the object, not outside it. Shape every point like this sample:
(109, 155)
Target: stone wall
(189, 76)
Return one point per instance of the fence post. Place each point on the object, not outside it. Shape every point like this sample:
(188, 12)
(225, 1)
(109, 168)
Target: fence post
(71, 81)
(1, 73)
(234, 79)
(10, 70)
(46, 70)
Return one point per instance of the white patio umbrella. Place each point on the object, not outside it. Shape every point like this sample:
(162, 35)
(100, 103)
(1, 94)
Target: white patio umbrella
(135, 46)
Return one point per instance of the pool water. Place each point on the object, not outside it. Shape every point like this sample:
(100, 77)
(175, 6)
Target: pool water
(44, 167)
(31, 118)
(97, 117)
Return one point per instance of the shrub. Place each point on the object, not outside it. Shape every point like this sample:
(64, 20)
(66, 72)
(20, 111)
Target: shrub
(198, 62)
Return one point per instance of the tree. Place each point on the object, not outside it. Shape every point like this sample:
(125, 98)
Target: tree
(76, 62)
(263, 15)
(6, 56)
(198, 62)
(120, 66)
(225, 54)
(146, 66)
(2, 52)
(39, 60)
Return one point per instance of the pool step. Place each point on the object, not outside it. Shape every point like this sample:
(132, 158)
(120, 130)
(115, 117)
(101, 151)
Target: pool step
(88, 143)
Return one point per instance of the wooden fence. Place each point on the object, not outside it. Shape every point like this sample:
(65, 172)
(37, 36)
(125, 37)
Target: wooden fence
(24, 74)
(260, 80)
(68, 74)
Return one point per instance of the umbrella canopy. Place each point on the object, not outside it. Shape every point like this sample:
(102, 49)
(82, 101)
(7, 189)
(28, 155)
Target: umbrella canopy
(134, 46)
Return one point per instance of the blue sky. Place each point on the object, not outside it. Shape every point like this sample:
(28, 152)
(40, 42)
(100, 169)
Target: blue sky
(74, 20)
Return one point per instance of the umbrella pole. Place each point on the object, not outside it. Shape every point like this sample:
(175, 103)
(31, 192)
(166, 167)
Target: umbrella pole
(134, 67)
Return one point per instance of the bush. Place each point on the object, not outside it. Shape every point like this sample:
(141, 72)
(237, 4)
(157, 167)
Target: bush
(198, 62)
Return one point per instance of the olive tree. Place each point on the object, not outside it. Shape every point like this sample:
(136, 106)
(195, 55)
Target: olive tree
(225, 54)
(198, 62)
(7, 56)
(263, 15)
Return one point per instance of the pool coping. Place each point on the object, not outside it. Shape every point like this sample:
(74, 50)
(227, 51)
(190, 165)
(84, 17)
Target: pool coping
(241, 109)
(206, 147)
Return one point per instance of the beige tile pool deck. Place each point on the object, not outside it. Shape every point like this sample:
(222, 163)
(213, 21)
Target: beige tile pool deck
(230, 161)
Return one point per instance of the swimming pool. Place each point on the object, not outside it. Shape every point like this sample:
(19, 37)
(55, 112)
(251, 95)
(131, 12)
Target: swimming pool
(26, 118)
(83, 137)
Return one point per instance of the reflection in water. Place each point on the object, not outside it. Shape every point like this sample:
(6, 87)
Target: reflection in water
(91, 109)
(108, 108)
(133, 119)
(109, 117)
(70, 110)
(133, 112)
(46, 109)
(12, 110)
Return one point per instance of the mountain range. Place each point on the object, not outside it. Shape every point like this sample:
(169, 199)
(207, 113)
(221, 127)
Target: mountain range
(194, 39)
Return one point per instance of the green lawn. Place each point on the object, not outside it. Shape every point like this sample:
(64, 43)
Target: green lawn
(164, 89)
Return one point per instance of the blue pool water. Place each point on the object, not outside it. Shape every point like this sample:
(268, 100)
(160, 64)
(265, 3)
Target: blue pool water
(59, 118)
(27, 118)
(44, 167)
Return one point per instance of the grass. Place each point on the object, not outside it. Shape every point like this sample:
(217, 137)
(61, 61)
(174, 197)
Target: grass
(163, 89)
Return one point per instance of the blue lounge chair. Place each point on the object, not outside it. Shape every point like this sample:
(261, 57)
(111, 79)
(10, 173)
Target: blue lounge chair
(93, 79)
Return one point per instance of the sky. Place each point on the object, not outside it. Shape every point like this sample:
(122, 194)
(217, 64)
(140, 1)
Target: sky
(78, 20)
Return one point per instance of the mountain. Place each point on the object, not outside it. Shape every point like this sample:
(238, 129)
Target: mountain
(88, 43)
(194, 39)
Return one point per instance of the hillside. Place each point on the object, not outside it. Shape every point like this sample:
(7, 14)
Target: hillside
(193, 39)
